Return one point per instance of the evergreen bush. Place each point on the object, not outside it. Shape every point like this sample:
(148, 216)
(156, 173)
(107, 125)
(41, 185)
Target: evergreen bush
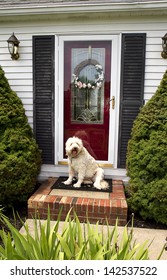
(147, 158)
(20, 157)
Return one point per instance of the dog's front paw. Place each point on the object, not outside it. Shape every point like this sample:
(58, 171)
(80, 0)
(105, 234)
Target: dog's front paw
(77, 185)
(67, 182)
(97, 186)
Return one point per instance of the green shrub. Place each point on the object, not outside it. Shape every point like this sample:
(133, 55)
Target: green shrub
(75, 241)
(20, 158)
(147, 158)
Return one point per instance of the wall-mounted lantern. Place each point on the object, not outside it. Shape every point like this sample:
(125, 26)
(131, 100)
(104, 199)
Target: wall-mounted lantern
(164, 46)
(13, 46)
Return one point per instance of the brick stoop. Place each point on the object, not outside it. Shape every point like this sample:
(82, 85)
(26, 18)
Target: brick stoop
(95, 209)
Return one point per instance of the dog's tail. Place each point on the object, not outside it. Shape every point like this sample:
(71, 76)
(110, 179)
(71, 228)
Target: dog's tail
(104, 185)
(100, 183)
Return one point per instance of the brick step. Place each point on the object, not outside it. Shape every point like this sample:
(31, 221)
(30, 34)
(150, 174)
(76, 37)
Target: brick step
(95, 209)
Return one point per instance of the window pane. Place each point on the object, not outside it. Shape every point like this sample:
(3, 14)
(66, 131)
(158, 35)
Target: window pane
(87, 88)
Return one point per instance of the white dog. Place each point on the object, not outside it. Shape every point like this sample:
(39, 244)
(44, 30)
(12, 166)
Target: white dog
(83, 164)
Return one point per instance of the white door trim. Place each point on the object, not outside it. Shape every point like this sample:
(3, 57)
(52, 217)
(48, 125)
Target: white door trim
(114, 91)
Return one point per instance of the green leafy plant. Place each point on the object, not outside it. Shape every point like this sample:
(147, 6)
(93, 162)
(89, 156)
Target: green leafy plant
(147, 158)
(75, 241)
(2, 216)
(20, 157)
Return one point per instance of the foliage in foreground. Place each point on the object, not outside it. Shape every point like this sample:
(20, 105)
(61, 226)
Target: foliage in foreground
(147, 158)
(20, 158)
(75, 241)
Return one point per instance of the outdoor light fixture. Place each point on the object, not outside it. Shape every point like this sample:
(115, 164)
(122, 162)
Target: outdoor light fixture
(164, 46)
(13, 46)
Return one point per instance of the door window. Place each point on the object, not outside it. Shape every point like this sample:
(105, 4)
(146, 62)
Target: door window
(87, 74)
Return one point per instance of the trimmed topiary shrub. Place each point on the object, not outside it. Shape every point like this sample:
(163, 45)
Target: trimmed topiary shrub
(147, 158)
(20, 157)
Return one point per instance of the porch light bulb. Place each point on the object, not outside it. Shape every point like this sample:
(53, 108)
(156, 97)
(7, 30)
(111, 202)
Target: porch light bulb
(15, 49)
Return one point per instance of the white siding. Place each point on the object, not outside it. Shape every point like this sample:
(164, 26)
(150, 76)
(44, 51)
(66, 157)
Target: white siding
(19, 72)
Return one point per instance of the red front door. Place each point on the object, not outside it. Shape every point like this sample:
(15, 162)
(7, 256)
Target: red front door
(87, 72)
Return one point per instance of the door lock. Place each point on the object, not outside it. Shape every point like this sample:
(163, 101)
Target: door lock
(113, 102)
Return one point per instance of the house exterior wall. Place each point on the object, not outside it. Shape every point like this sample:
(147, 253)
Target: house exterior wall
(19, 73)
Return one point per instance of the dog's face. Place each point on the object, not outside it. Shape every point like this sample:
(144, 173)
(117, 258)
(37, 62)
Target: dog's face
(74, 146)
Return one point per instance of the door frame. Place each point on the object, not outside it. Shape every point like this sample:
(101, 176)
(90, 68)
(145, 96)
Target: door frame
(114, 91)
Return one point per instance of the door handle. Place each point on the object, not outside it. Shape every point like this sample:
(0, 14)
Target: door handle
(113, 102)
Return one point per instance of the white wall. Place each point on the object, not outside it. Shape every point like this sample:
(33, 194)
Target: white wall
(19, 73)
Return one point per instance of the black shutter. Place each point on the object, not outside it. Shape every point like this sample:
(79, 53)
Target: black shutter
(132, 88)
(43, 87)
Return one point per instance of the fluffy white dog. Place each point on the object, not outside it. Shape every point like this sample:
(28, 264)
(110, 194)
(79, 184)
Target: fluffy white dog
(83, 164)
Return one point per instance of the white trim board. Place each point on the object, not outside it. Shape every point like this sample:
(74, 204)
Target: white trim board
(115, 81)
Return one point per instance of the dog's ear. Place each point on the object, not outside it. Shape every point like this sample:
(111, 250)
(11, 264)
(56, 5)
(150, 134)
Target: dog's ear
(68, 142)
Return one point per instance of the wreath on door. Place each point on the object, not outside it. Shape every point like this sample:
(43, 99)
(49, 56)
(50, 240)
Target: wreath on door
(84, 83)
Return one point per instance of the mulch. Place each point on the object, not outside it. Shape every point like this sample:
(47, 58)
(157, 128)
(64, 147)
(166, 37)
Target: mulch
(21, 214)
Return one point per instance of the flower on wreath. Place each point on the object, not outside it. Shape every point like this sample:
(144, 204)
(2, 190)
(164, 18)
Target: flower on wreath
(97, 83)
